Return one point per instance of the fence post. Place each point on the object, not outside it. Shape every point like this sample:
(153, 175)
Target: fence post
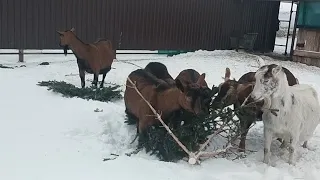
(21, 55)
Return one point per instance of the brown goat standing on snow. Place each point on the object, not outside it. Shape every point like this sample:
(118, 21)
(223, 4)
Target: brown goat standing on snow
(94, 58)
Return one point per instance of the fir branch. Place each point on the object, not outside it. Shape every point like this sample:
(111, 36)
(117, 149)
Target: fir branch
(68, 90)
(214, 153)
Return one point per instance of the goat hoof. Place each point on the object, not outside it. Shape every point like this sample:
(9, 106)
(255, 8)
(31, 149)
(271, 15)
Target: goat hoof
(305, 144)
(241, 150)
(266, 160)
(283, 145)
(291, 162)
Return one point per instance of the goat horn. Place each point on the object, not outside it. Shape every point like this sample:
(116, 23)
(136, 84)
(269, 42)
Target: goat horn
(227, 74)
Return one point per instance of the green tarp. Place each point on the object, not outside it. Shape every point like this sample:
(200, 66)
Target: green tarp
(309, 15)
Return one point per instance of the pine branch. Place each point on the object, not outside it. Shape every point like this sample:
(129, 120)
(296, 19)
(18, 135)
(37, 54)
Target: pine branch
(214, 153)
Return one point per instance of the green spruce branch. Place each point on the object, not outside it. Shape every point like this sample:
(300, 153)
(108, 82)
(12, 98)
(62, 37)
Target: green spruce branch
(109, 93)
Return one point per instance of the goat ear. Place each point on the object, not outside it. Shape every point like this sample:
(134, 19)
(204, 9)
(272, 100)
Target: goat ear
(59, 32)
(72, 29)
(276, 70)
(201, 79)
(227, 74)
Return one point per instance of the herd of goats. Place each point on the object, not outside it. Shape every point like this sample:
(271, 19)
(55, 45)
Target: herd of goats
(271, 87)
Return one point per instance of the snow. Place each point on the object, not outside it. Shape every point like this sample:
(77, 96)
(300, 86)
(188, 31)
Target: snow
(284, 14)
(46, 136)
(282, 41)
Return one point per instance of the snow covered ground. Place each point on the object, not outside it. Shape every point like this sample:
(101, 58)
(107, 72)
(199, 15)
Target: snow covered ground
(45, 136)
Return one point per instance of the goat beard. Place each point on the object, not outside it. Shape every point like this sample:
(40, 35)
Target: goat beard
(65, 49)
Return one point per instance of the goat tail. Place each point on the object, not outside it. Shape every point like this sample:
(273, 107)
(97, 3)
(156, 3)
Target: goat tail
(120, 38)
(119, 44)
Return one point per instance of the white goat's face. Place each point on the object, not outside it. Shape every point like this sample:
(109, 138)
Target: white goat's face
(267, 81)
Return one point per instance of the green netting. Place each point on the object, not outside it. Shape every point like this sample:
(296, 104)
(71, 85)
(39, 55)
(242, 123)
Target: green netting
(309, 15)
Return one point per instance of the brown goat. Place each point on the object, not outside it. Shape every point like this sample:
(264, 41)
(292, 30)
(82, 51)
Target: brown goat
(94, 58)
(160, 71)
(186, 81)
(235, 92)
(165, 100)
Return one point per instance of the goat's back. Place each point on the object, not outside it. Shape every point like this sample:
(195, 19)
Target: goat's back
(299, 112)
(308, 97)
(247, 77)
(160, 71)
(104, 54)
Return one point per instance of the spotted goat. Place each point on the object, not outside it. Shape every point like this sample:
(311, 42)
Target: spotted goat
(298, 105)
(233, 92)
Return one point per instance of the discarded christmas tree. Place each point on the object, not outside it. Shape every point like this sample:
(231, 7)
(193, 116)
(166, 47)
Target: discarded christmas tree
(109, 93)
(191, 130)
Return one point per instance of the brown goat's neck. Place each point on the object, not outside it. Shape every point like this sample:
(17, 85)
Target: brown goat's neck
(79, 48)
(243, 91)
(168, 100)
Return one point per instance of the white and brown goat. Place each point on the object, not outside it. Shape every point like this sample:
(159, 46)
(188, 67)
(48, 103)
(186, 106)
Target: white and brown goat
(298, 105)
(233, 92)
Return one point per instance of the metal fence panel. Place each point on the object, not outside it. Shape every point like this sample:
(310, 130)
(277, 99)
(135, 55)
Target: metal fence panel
(144, 24)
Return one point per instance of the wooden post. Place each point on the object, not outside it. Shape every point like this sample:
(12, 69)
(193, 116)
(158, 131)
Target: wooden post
(21, 55)
(294, 33)
(288, 32)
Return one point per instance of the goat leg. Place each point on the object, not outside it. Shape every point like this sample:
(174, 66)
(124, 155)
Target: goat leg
(284, 143)
(82, 77)
(245, 125)
(305, 144)
(267, 144)
(104, 73)
(292, 151)
(95, 79)
(103, 78)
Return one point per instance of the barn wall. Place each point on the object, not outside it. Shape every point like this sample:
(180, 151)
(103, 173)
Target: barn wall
(144, 24)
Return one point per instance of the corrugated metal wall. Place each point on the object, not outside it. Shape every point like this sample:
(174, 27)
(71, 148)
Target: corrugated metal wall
(145, 24)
